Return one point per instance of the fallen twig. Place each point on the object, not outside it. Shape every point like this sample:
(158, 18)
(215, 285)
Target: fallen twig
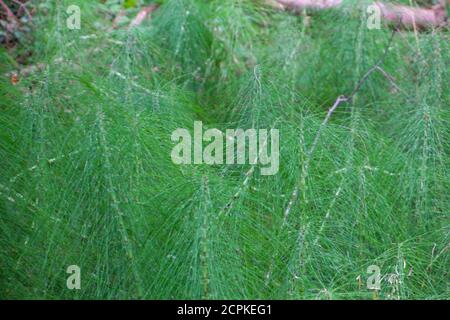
(298, 5)
(8, 11)
(339, 100)
(140, 17)
(23, 7)
(414, 17)
(406, 16)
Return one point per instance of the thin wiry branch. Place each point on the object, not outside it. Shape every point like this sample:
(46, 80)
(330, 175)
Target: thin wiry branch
(294, 194)
(8, 11)
(22, 6)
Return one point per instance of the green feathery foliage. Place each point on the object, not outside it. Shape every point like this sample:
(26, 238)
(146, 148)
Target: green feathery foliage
(87, 178)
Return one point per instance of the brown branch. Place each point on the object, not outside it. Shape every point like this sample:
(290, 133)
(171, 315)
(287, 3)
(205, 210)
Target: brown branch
(375, 66)
(294, 195)
(414, 17)
(22, 6)
(298, 5)
(406, 16)
(8, 11)
(140, 17)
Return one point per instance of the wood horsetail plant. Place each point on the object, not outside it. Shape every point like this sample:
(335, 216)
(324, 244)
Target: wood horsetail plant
(88, 187)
